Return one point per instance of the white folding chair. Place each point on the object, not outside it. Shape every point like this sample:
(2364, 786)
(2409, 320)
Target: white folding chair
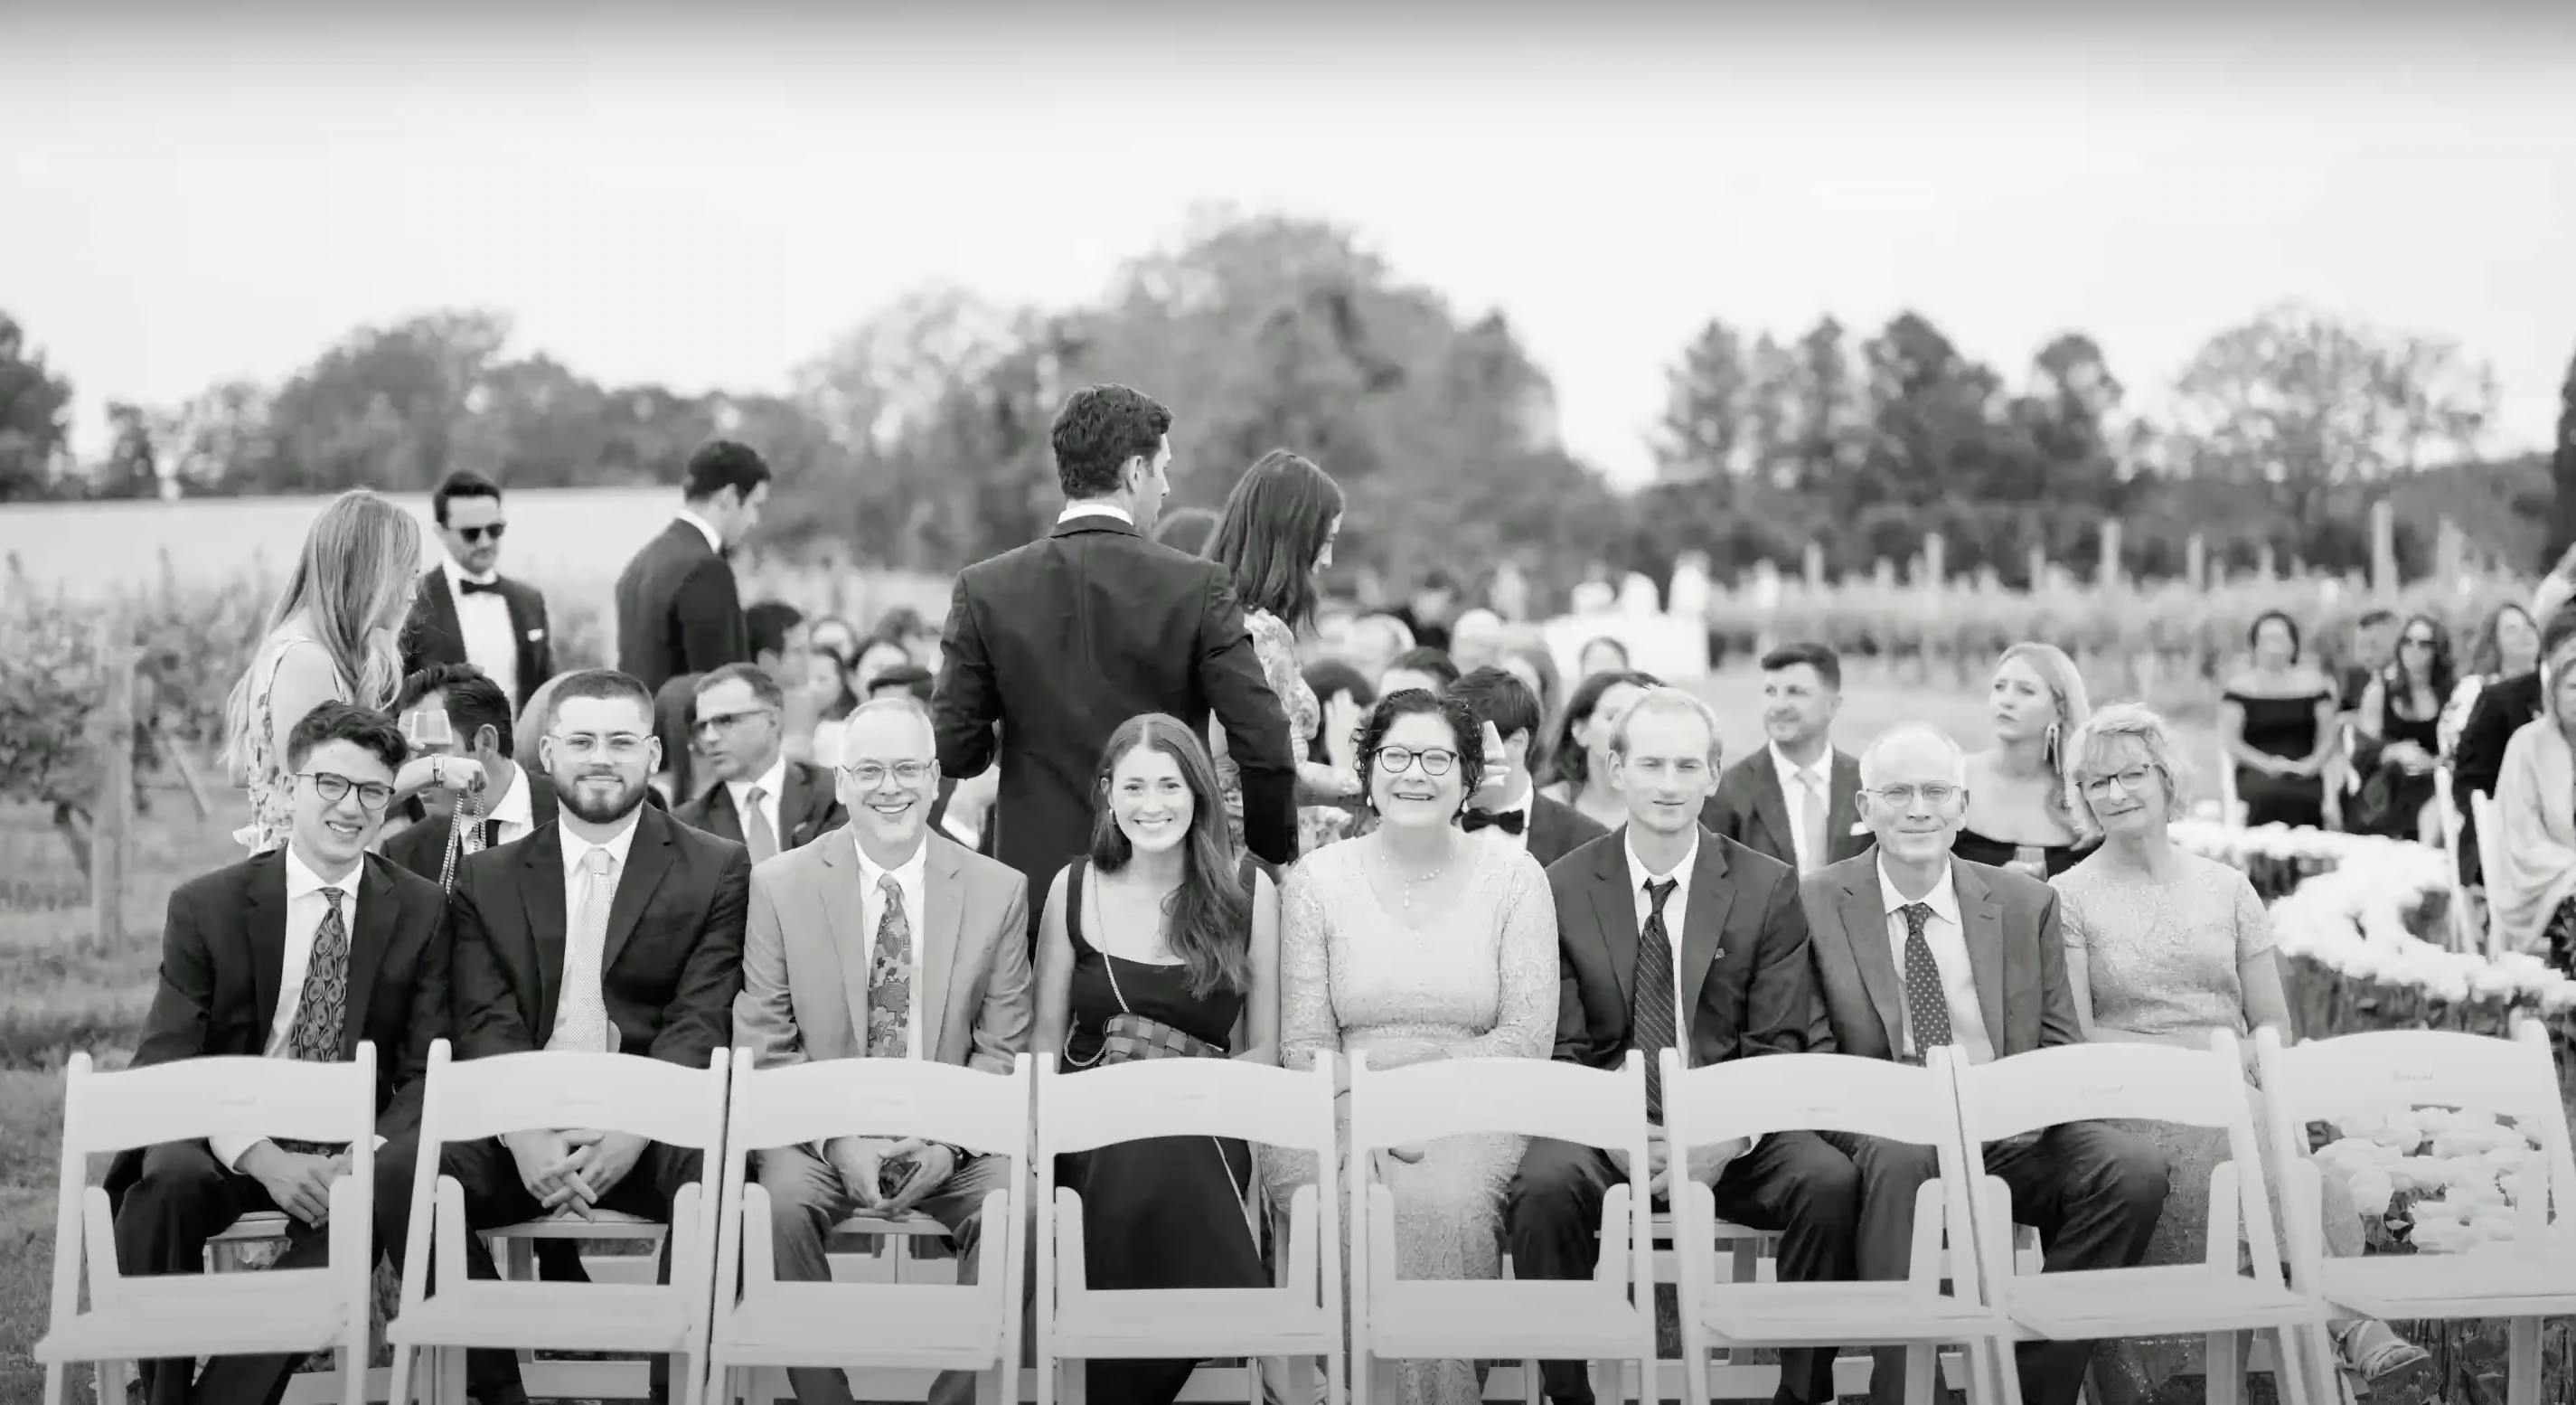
(763, 1322)
(1833, 1093)
(195, 1315)
(2490, 834)
(2530, 1277)
(2161, 1083)
(2464, 933)
(1298, 1318)
(477, 1098)
(1610, 1319)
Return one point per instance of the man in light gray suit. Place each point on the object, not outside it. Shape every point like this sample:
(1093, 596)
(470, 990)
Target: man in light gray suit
(884, 940)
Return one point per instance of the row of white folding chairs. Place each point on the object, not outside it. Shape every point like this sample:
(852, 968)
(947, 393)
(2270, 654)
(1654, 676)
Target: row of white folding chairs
(749, 1320)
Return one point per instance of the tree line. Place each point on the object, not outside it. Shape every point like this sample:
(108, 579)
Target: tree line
(917, 439)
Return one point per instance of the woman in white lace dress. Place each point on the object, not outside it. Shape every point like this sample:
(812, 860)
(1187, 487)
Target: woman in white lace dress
(1410, 943)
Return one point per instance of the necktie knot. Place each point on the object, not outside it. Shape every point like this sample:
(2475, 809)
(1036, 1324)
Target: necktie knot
(333, 896)
(758, 795)
(598, 862)
(1658, 889)
(1917, 916)
(892, 890)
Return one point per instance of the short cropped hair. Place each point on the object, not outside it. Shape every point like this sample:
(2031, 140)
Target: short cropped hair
(912, 678)
(602, 683)
(2372, 619)
(2139, 727)
(1098, 430)
(1425, 659)
(722, 464)
(1498, 695)
(1911, 731)
(1667, 698)
(1827, 664)
(762, 685)
(347, 722)
(464, 483)
(472, 700)
(769, 622)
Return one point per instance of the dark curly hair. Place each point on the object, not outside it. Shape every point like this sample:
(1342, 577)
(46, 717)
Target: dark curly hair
(1099, 429)
(1407, 702)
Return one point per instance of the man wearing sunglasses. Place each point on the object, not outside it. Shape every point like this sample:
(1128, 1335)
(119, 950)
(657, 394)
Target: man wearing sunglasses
(466, 611)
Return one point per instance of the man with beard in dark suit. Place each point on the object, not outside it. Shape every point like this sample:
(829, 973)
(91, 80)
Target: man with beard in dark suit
(1510, 808)
(761, 799)
(616, 929)
(297, 953)
(464, 610)
(1798, 798)
(1054, 644)
(678, 609)
(511, 803)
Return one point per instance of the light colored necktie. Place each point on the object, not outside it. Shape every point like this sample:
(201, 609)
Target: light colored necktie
(758, 835)
(581, 1014)
(890, 979)
(1812, 807)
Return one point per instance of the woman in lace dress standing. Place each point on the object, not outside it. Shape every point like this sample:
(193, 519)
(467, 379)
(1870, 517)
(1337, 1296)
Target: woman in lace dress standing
(2162, 947)
(332, 637)
(1409, 943)
(1277, 533)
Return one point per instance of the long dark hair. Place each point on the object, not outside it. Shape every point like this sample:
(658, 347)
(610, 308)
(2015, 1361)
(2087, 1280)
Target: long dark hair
(1566, 759)
(1211, 912)
(2437, 678)
(1277, 520)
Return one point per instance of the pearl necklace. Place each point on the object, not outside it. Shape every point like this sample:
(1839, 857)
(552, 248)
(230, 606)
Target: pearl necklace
(1408, 883)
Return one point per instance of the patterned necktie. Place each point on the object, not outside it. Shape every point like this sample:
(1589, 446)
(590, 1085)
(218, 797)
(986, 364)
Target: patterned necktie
(1811, 819)
(890, 979)
(323, 1008)
(758, 835)
(1929, 1008)
(581, 1014)
(1652, 1022)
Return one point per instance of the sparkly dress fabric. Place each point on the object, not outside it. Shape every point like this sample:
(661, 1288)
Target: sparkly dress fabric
(2161, 963)
(1476, 978)
(272, 793)
(1276, 646)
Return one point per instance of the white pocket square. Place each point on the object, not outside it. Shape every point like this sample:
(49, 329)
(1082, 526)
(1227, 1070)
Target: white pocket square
(1860, 827)
(536, 634)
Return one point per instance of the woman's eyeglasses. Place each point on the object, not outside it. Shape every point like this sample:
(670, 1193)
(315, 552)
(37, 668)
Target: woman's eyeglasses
(1396, 760)
(2130, 782)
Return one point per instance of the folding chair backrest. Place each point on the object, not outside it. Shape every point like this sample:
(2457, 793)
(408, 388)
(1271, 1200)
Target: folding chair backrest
(646, 1097)
(1127, 1102)
(1805, 1092)
(1425, 1102)
(192, 1098)
(826, 1098)
(2487, 834)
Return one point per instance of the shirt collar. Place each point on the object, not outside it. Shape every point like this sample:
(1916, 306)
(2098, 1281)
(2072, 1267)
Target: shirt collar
(576, 848)
(458, 575)
(1943, 899)
(514, 806)
(1790, 771)
(302, 881)
(907, 874)
(772, 782)
(715, 539)
(1638, 876)
(1073, 510)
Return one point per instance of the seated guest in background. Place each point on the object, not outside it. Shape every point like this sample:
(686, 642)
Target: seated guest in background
(2532, 889)
(1166, 920)
(2397, 737)
(2502, 705)
(1427, 615)
(2162, 947)
(1797, 799)
(1601, 655)
(2018, 815)
(1375, 641)
(2506, 646)
(761, 800)
(1510, 809)
(297, 953)
(675, 729)
(877, 657)
(833, 635)
(916, 636)
(1532, 664)
(616, 929)
(2374, 647)
(780, 649)
(1578, 757)
(465, 610)
(1992, 939)
(1431, 670)
(2277, 721)
(511, 803)
(1187, 530)
(1717, 944)
(844, 942)
(1476, 640)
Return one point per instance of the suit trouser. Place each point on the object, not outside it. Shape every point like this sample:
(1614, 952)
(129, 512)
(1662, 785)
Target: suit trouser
(1792, 1183)
(2092, 1191)
(807, 1198)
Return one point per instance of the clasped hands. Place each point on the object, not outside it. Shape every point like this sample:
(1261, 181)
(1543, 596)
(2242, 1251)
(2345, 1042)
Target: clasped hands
(568, 1171)
(889, 1177)
(297, 1182)
(1706, 1163)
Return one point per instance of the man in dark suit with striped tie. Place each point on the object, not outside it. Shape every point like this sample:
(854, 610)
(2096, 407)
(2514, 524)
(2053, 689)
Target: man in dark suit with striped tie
(511, 803)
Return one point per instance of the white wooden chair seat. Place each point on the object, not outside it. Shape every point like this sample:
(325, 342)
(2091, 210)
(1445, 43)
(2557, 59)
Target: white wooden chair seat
(1815, 1314)
(1249, 1321)
(298, 1310)
(2401, 1287)
(257, 1227)
(910, 1327)
(1418, 1319)
(2152, 1301)
(555, 1316)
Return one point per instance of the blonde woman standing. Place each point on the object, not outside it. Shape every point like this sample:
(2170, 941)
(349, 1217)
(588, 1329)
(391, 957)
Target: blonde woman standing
(2017, 807)
(332, 637)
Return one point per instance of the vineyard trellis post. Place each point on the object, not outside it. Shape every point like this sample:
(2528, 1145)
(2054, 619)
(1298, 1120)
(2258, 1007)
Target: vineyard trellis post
(112, 808)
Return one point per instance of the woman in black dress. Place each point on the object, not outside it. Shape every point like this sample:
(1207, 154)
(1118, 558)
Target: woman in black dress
(1168, 921)
(2277, 721)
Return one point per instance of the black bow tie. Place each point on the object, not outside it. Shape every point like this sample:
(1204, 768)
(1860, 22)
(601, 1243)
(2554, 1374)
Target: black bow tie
(491, 587)
(1509, 821)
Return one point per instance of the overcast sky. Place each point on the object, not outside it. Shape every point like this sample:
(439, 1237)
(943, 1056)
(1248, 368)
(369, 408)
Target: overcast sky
(705, 201)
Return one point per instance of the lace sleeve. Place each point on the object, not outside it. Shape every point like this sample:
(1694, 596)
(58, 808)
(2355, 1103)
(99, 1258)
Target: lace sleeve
(2253, 924)
(1306, 1023)
(1525, 1008)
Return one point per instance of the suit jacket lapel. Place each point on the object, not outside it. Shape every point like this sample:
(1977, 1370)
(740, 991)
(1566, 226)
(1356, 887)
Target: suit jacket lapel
(1844, 810)
(812, 793)
(1982, 920)
(367, 944)
(441, 598)
(1704, 924)
(722, 822)
(648, 860)
(541, 898)
(944, 894)
(1772, 804)
(1615, 912)
(1864, 913)
(845, 935)
(265, 914)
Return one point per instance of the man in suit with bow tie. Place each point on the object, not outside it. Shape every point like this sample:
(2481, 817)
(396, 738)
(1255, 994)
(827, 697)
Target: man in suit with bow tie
(1798, 798)
(616, 929)
(465, 610)
(297, 953)
(1671, 937)
(512, 802)
(761, 799)
(882, 940)
(1510, 810)
(679, 609)
(1914, 947)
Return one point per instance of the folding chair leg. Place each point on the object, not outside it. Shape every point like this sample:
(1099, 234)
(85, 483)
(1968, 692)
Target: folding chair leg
(2522, 1361)
(2223, 1355)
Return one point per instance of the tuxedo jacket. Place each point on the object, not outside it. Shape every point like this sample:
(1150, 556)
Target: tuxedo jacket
(668, 971)
(806, 811)
(1750, 808)
(1557, 829)
(2016, 956)
(678, 610)
(422, 846)
(805, 970)
(431, 634)
(1063, 639)
(1747, 984)
(223, 953)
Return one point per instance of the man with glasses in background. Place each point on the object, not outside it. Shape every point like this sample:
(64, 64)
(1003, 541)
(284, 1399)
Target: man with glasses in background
(297, 953)
(465, 610)
(761, 799)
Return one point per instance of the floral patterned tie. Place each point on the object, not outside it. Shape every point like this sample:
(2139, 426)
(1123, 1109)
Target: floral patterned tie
(890, 979)
(323, 1008)
(1924, 1002)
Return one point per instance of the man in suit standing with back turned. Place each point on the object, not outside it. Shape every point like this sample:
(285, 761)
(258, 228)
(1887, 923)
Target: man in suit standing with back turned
(1059, 641)
(678, 609)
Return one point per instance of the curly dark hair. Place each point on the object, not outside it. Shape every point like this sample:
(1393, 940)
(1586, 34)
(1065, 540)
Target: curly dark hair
(1464, 725)
(1099, 429)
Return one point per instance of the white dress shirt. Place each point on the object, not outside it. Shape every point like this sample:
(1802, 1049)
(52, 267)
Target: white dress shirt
(576, 849)
(1527, 808)
(514, 813)
(768, 783)
(483, 622)
(1949, 942)
(910, 879)
(305, 907)
(1793, 788)
(1073, 510)
(715, 539)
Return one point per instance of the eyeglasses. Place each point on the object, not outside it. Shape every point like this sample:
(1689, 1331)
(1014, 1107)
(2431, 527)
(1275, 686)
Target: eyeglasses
(2130, 781)
(1396, 760)
(873, 773)
(1935, 795)
(2420, 640)
(373, 796)
(477, 534)
(623, 746)
(727, 719)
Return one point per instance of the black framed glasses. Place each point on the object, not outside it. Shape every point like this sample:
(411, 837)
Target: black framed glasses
(1396, 760)
(482, 534)
(2131, 781)
(373, 796)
